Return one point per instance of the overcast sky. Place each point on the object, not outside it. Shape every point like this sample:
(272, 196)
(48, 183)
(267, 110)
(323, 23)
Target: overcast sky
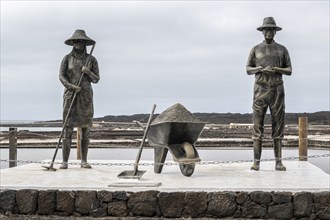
(159, 52)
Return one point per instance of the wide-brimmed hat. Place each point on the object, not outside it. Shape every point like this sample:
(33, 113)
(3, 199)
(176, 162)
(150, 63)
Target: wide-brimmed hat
(269, 22)
(79, 35)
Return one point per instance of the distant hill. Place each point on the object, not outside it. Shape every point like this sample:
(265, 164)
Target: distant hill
(321, 118)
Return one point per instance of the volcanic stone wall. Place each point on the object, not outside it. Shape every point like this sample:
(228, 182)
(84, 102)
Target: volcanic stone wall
(256, 204)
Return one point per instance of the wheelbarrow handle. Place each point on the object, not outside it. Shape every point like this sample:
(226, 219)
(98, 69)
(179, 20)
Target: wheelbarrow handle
(139, 124)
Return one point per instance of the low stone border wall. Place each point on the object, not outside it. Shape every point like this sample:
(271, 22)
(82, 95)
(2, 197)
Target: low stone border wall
(257, 204)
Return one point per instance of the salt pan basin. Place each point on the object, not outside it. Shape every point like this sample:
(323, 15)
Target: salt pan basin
(300, 176)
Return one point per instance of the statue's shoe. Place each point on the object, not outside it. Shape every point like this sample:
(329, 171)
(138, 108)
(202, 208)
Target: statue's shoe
(255, 166)
(85, 165)
(279, 166)
(64, 165)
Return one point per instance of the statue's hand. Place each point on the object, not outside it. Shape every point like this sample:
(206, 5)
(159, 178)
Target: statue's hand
(76, 88)
(94, 78)
(86, 70)
(268, 69)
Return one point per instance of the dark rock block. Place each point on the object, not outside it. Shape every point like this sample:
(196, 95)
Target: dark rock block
(143, 203)
(222, 204)
(86, 201)
(282, 211)
(117, 208)
(303, 204)
(7, 201)
(282, 197)
(65, 201)
(171, 204)
(46, 202)
(27, 200)
(101, 211)
(104, 196)
(195, 203)
(238, 213)
(322, 204)
(241, 197)
(253, 210)
(120, 196)
(261, 197)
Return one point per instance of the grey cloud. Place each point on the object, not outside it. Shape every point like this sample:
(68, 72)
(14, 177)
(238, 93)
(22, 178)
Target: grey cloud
(160, 52)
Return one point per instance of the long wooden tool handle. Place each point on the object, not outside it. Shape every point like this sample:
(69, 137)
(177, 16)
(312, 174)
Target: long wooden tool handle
(143, 140)
(87, 61)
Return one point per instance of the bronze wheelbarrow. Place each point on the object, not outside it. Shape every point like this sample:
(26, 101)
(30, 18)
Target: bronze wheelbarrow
(175, 130)
(179, 138)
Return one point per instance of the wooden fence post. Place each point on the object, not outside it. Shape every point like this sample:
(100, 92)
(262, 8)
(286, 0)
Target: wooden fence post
(303, 140)
(78, 143)
(12, 147)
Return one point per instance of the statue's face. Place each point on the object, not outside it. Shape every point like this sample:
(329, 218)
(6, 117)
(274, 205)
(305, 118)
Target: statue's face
(269, 33)
(79, 45)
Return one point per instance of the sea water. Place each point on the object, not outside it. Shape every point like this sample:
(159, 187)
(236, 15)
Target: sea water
(221, 155)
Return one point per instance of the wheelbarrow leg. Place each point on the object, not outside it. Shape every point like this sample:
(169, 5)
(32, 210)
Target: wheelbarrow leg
(160, 156)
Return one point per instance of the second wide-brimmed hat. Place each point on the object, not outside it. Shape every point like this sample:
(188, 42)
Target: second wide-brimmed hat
(269, 22)
(79, 35)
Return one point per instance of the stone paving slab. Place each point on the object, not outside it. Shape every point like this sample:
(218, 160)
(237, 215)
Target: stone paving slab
(300, 176)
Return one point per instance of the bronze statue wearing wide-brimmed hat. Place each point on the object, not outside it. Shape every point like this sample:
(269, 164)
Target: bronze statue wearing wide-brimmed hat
(79, 35)
(78, 93)
(268, 61)
(269, 22)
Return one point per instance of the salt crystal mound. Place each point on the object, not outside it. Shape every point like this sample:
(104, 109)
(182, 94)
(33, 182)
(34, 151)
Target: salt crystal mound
(176, 113)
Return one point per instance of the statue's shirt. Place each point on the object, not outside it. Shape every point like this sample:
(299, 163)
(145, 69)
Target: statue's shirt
(274, 55)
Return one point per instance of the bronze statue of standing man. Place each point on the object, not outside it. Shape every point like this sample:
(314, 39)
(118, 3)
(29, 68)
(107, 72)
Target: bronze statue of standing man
(268, 61)
(82, 111)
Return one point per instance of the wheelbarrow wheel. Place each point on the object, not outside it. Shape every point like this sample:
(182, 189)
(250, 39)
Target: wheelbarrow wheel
(187, 169)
